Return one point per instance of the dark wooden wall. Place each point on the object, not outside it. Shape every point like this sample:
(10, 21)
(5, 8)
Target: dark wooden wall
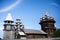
(37, 36)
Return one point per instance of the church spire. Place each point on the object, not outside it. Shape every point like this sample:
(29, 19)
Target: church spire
(9, 17)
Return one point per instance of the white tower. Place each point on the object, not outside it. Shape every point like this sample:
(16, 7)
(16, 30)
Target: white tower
(8, 28)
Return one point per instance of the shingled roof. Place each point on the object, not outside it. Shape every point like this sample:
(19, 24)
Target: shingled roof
(32, 31)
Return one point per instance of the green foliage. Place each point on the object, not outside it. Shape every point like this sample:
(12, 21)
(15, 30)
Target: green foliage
(57, 33)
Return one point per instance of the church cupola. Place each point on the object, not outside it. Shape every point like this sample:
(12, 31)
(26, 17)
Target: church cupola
(47, 17)
(8, 22)
(47, 24)
(19, 24)
(19, 29)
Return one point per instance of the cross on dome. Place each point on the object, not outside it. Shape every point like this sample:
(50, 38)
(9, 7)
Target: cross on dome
(9, 17)
(47, 14)
(18, 17)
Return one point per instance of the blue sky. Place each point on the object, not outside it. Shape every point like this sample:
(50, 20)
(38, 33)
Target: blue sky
(29, 11)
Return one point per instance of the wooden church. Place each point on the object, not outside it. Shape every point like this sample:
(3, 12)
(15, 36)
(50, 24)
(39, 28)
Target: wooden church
(16, 30)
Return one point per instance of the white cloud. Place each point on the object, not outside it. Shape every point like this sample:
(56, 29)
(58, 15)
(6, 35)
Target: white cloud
(1, 28)
(54, 4)
(1, 34)
(11, 6)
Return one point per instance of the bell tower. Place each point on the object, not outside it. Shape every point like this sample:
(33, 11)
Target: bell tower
(8, 28)
(47, 24)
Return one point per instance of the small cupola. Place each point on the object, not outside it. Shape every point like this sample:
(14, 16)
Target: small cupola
(9, 18)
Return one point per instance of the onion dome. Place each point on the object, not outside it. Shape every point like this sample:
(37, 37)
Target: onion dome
(47, 17)
(9, 18)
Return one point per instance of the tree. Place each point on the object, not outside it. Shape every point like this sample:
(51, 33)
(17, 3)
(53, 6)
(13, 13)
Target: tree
(56, 33)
